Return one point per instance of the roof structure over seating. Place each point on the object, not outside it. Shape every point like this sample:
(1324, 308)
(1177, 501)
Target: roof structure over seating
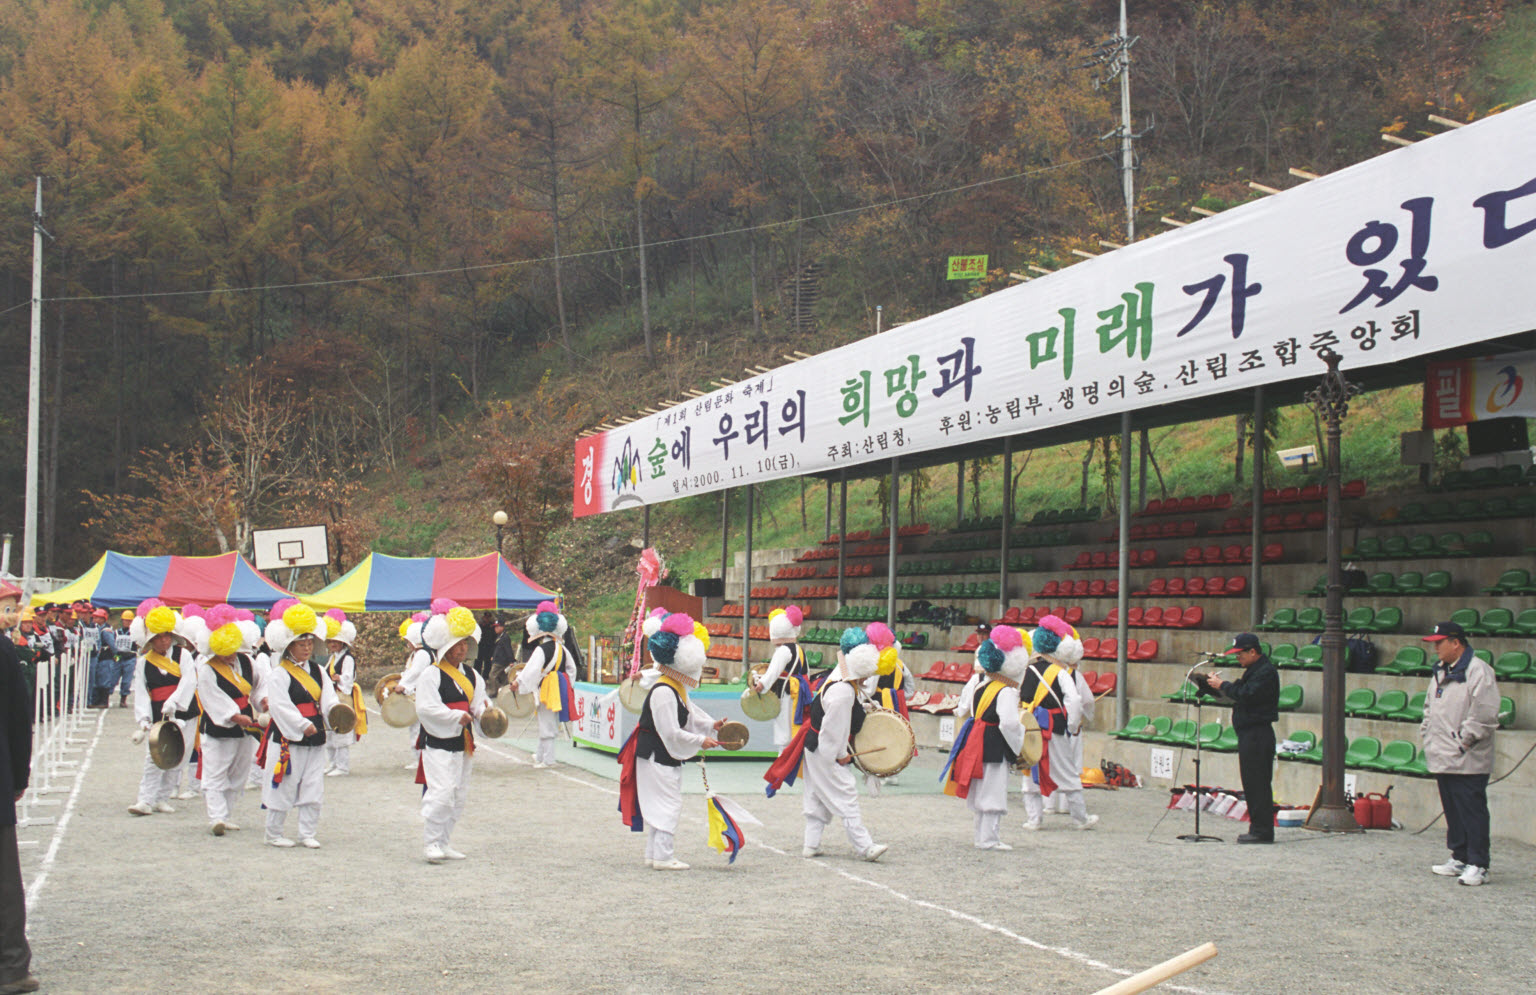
(121, 581)
(1407, 255)
(395, 583)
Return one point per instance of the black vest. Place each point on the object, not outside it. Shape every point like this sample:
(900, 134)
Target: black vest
(333, 667)
(795, 668)
(299, 696)
(648, 742)
(449, 691)
(244, 668)
(994, 748)
(154, 678)
(818, 712)
(1053, 701)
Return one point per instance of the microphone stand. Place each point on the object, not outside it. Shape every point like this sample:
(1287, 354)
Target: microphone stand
(1196, 836)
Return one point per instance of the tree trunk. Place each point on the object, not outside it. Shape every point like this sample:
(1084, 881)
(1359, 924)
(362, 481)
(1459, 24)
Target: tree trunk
(645, 299)
(1082, 495)
(554, 219)
(1237, 468)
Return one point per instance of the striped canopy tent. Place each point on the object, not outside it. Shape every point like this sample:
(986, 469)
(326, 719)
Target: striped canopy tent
(121, 581)
(384, 583)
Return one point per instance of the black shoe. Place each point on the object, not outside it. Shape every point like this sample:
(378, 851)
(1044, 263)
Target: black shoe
(1254, 838)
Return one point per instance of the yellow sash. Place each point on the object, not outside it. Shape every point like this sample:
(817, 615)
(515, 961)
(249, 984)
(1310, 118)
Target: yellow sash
(1047, 686)
(301, 675)
(361, 710)
(232, 676)
(674, 684)
(165, 663)
(549, 684)
(465, 684)
(988, 696)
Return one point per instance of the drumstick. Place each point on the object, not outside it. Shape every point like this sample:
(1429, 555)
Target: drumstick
(872, 749)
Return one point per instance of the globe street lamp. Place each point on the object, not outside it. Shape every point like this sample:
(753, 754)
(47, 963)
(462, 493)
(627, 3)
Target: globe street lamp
(500, 521)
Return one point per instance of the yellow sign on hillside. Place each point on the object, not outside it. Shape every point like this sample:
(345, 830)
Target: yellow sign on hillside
(967, 267)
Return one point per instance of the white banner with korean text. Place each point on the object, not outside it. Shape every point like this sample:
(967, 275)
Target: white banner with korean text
(1417, 250)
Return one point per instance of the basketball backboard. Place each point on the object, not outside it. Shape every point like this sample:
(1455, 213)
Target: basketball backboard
(301, 546)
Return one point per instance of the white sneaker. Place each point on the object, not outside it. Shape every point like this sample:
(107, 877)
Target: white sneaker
(409, 766)
(1087, 823)
(139, 808)
(217, 828)
(232, 827)
(1473, 875)
(810, 851)
(164, 807)
(310, 843)
(336, 772)
(282, 842)
(329, 768)
(541, 765)
(1033, 825)
(649, 862)
(993, 846)
(451, 853)
(434, 854)
(187, 795)
(668, 865)
(875, 852)
(1452, 868)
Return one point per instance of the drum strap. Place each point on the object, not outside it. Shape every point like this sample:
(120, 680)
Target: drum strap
(1047, 685)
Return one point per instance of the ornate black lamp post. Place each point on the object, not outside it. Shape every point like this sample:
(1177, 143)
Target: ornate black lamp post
(1330, 811)
(500, 521)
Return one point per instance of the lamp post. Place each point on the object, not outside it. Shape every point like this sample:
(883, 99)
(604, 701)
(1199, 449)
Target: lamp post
(499, 519)
(1330, 812)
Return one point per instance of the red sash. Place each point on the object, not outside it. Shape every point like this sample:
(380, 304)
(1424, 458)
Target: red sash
(469, 742)
(786, 768)
(629, 791)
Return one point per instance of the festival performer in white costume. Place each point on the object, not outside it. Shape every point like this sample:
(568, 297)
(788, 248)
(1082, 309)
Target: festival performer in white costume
(341, 667)
(822, 748)
(990, 739)
(450, 698)
(164, 687)
(548, 670)
(1074, 741)
(787, 675)
(299, 695)
(226, 684)
(416, 664)
(1050, 689)
(192, 631)
(671, 729)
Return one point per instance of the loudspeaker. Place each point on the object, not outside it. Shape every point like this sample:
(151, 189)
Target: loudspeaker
(709, 587)
(1497, 435)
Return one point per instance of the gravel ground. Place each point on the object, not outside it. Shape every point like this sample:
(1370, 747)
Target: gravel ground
(554, 896)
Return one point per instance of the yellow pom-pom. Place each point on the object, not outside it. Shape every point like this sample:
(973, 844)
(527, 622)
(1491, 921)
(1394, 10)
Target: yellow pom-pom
(226, 640)
(160, 620)
(702, 634)
(404, 625)
(887, 664)
(332, 628)
(461, 622)
(300, 619)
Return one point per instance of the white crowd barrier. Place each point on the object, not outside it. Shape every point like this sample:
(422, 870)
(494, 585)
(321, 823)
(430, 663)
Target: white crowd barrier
(58, 721)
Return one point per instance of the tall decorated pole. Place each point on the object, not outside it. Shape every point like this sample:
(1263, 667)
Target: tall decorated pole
(1330, 810)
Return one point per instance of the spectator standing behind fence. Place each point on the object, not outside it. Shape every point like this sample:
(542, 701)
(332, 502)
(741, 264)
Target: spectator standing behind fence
(127, 652)
(104, 659)
(1461, 713)
(15, 764)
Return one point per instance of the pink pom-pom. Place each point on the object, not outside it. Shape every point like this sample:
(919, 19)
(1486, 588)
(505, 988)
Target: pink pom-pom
(421, 616)
(1056, 625)
(442, 606)
(678, 624)
(795, 615)
(219, 615)
(278, 607)
(337, 614)
(148, 605)
(244, 615)
(193, 611)
(548, 606)
(880, 634)
(1006, 638)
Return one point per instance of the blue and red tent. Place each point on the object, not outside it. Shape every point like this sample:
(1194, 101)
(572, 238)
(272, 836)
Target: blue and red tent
(121, 581)
(383, 583)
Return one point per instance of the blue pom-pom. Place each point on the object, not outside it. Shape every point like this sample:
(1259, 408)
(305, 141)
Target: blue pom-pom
(1044, 641)
(852, 639)
(664, 647)
(547, 621)
(989, 656)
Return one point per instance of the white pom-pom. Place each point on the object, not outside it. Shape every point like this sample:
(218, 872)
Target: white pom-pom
(651, 626)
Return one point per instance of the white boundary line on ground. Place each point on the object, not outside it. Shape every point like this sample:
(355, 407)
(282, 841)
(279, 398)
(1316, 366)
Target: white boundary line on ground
(1064, 952)
(69, 809)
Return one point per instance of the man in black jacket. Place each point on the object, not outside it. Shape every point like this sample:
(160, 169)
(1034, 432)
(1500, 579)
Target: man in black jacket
(1255, 697)
(15, 763)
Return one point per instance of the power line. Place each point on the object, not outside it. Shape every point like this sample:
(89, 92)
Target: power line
(594, 253)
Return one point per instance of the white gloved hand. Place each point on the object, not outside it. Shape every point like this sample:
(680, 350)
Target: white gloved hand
(138, 735)
(168, 712)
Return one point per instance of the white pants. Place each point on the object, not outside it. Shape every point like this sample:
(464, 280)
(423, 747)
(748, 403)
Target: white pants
(303, 788)
(338, 750)
(156, 785)
(783, 721)
(226, 763)
(1066, 771)
(1075, 755)
(442, 803)
(830, 791)
(549, 728)
(988, 799)
(659, 844)
(660, 790)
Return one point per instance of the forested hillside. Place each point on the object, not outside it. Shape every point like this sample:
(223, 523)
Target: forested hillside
(291, 243)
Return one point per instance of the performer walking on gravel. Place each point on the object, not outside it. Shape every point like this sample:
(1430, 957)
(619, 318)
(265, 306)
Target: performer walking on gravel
(450, 698)
(293, 754)
(549, 669)
(226, 682)
(341, 666)
(787, 675)
(164, 687)
(988, 743)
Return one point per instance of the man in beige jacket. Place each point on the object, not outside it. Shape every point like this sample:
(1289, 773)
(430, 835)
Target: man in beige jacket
(1461, 713)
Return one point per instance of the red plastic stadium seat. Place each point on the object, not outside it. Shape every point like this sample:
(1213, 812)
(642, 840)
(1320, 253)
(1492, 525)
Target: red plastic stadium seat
(1048, 591)
(1194, 616)
(1232, 553)
(1205, 502)
(1154, 507)
(1274, 523)
(1173, 617)
(1353, 489)
(1156, 589)
(1311, 492)
(1152, 618)
(1079, 590)
(1028, 615)
(1073, 616)
(1271, 495)
(1083, 562)
(1175, 586)
(1144, 558)
(1223, 501)
(1106, 685)
(1097, 589)
(1195, 587)
(1133, 615)
(1315, 520)
(1273, 552)
(1011, 616)
(1236, 585)
(1109, 649)
(1145, 650)
(1112, 619)
(1188, 503)
(1091, 647)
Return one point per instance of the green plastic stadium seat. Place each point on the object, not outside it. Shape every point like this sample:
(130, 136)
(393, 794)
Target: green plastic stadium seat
(1413, 711)
(1493, 620)
(1181, 733)
(1310, 620)
(1132, 728)
(1309, 657)
(1312, 754)
(1409, 661)
(1283, 655)
(1368, 548)
(1392, 756)
(1387, 703)
(1464, 617)
(1506, 711)
(1359, 701)
(1359, 619)
(1513, 665)
(1388, 620)
(1415, 767)
(1395, 547)
(1184, 692)
(1281, 620)
(1361, 749)
(1290, 698)
(1409, 582)
(1209, 733)
(1156, 729)
(1226, 742)
(1380, 582)
(1509, 582)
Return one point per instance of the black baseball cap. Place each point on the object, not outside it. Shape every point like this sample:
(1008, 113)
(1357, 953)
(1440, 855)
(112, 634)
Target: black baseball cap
(1244, 641)
(1446, 630)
